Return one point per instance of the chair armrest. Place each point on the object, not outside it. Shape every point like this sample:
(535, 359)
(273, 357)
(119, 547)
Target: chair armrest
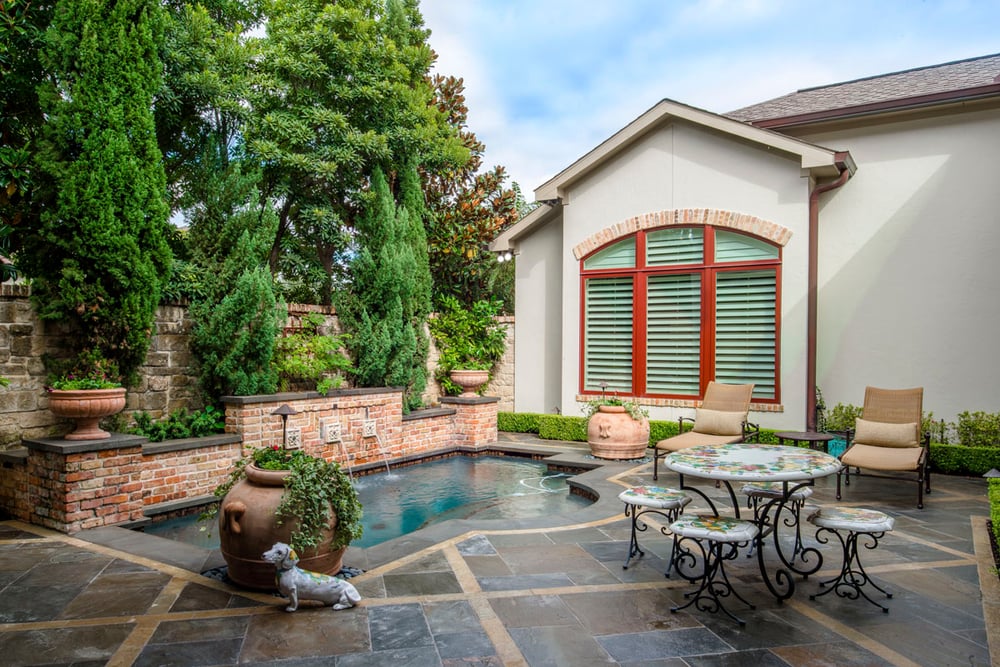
(751, 430)
(680, 423)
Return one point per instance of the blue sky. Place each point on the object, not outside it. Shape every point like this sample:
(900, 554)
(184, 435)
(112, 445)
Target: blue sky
(548, 80)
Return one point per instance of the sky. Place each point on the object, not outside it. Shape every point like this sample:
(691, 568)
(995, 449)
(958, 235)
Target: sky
(546, 81)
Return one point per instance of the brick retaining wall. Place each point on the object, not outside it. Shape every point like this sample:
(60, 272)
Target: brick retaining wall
(74, 485)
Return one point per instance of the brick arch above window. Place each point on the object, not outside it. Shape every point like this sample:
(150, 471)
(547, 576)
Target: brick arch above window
(686, 216)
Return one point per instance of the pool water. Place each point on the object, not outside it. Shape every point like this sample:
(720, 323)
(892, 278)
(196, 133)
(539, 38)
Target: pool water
(406, 499)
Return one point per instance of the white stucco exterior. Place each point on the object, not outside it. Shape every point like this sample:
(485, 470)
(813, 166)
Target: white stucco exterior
(907, 268)
(908, 264)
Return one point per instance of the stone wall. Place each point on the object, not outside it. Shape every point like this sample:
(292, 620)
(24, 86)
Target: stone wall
(167, 380)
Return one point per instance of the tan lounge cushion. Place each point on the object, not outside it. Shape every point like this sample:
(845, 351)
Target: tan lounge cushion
(882, 458)
(884, 434)
(693, 439)
(716, 422)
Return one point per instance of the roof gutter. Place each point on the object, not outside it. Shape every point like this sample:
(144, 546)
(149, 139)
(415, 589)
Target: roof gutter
(846, 170)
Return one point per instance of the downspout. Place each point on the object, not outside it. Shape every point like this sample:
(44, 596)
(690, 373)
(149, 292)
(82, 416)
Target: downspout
(812, 295)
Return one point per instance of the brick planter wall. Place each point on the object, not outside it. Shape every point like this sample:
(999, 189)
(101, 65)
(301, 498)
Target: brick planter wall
(74, 485)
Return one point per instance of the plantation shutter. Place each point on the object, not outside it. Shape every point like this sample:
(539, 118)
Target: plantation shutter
(673, 334)
(733, 247)
(608, 334)
(745, 329)
(621, 255)
(683, 245)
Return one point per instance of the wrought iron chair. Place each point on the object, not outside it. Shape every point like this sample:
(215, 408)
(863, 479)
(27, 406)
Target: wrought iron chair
(887, 438)
(721, 420)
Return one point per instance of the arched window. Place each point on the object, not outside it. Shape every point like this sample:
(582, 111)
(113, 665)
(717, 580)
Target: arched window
(666, 310)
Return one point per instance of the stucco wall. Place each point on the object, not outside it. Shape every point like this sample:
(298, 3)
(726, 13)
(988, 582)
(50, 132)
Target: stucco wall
(908, 264)
(680, 167)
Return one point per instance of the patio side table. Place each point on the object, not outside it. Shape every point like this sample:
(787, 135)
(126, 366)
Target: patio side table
(814, 439)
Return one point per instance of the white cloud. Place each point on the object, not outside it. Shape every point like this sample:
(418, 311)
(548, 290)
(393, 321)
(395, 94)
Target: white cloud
(547, 80)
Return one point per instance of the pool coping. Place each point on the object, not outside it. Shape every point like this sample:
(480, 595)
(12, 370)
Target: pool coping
(597, 480)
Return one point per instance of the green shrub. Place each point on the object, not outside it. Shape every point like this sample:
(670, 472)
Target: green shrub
(979, 429)
(180, 424)
(307, 355)
(962, 460)
(842, 417)
(561, 427)
(995, 507)
(518, 422)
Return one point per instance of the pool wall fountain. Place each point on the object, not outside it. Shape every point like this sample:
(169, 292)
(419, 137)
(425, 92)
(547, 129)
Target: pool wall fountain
(74, 485)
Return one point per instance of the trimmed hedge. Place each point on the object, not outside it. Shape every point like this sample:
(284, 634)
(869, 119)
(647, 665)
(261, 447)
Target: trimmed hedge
(962, 460)
(995, 507)
(947, 459)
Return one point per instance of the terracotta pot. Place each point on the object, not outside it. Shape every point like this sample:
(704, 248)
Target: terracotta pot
(87, 407)
(247, 528)
(613, 434)
(469, 380)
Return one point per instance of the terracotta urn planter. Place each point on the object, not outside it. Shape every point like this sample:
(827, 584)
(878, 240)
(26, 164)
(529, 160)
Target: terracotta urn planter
(247, 528)
(612, 433)
(469, 380)
(87, 407)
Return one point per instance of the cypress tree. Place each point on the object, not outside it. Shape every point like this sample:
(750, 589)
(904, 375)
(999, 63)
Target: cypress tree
(387, 303)
(98, 254)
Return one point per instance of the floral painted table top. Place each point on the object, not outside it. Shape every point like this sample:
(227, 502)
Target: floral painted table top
(748, 462)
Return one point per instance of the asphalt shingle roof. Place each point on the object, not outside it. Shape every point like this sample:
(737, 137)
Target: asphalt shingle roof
(886, 88)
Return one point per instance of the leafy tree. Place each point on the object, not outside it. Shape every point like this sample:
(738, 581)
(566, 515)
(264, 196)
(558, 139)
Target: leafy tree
(22, 31)
(467, 209)
(339, 89)
(98, 254)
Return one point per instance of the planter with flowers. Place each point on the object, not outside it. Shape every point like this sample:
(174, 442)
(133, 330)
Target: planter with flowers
(281, 495)
(617, 428)
(471, 343)
(87, 393)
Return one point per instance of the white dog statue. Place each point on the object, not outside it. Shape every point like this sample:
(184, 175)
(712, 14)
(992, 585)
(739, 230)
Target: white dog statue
(296, 584)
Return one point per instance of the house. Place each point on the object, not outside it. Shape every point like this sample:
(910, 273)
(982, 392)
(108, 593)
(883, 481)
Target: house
(836, 237)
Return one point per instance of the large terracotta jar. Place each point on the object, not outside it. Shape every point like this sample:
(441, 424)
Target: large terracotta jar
(247, 528)
(87, 407)
(613, 434)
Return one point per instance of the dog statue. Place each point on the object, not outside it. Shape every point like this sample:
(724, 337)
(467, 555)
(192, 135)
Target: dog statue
(296, 584)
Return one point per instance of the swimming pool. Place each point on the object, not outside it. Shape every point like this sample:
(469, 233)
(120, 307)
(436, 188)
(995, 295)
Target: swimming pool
(409, 498)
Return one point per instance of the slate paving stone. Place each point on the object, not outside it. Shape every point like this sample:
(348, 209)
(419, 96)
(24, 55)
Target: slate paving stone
(398, 626)
(410, 657)
(190, 654)
(840, 654)
(559, 646)
(652, 645)
(420, 583)
(451, 616)
(24, 604)
(464, 645)
(487, 566)
(200, 598)
(63, 646)
(520, 582)
(477, 545)
(308, 632)
(533, 611)
(617, 612)
(171, 632)
(739, 659)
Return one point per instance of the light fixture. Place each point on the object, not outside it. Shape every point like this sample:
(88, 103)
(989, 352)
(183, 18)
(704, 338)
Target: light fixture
(284, 410)
(507, 256)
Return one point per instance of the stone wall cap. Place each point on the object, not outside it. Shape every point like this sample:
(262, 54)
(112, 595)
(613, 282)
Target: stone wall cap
(181, 444)
(429, 413)
(305, 395)
(17, 455)
(60, 446)
(473, 400)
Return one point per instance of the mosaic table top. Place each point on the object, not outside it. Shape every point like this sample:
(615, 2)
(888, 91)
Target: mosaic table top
(749, 462)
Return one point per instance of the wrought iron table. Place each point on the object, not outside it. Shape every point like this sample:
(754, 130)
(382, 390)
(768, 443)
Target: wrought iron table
(814, 439)
(793, 467)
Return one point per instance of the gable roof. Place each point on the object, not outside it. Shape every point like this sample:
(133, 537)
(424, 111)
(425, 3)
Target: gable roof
(822, 161)
(960, 80)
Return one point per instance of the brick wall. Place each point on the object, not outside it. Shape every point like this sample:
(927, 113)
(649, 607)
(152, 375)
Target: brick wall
(75, 485)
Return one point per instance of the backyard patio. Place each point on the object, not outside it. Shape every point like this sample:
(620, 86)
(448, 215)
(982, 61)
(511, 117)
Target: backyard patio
(547, 591)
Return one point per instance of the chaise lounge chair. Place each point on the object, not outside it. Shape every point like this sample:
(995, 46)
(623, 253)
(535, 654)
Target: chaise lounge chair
(721, 420)
(887, 438)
